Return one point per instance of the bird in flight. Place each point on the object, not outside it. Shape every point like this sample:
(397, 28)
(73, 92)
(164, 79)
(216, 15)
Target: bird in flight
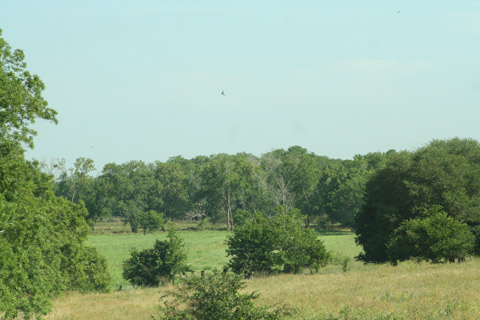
(223, 93)
(398, 11)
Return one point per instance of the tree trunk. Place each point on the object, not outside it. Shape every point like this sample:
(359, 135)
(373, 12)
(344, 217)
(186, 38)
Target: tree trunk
(229, 213)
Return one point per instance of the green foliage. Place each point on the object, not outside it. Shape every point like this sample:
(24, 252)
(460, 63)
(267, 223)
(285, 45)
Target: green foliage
(435, 238)
(162, 263)
(129, 190)
(444, 173)
(41, 240)
(21, 101)
(214, 296)
(279, 244)
(151, 220)
(241, 217)
(173, 193)
(41, 235)
(228, 183)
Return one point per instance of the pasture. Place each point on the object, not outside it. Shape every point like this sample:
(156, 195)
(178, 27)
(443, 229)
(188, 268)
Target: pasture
(407, 291)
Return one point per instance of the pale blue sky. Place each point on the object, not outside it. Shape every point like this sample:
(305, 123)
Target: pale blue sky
(141, 80)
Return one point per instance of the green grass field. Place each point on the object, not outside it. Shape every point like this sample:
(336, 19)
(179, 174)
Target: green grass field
(407, 291)
(206, 249)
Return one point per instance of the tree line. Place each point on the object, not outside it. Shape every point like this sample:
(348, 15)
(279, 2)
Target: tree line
(222, 188)
(393, 201)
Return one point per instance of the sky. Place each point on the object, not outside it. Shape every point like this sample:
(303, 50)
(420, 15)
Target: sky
(142, 80)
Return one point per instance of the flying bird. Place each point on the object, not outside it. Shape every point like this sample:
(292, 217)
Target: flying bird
(223, 93)
(398, 11)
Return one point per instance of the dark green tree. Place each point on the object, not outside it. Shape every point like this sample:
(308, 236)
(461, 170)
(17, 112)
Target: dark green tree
(161, 264)
(173, 189)
(443, 173)
(128, 191)
(433, 237)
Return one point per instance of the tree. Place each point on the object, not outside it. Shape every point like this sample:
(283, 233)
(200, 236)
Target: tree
(173, 191)
(42, 251)
(292, 178)
(227, 183)
(275, 245)
(41, 240)
(435, 237)
(161, 264)
(21, 101)
(341, 187)
(79, 185)
(128, 191)
(151, 220)
(443, 173)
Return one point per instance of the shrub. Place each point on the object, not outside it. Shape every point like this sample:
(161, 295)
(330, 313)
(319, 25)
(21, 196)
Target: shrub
(434, 238)
(214, 296)
(162, 263)
(279, 244)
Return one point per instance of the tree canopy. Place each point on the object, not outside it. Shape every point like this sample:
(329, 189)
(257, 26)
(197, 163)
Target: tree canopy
(444, 173)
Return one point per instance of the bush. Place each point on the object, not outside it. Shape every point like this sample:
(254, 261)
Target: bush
(279, 244)
(435, 238)
(161, 264)
(214, 296)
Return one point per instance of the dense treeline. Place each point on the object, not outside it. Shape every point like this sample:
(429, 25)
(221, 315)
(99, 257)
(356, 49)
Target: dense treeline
(223, 188)
(392, 200)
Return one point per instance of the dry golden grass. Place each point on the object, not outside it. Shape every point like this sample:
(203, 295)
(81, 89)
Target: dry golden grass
(408, 291)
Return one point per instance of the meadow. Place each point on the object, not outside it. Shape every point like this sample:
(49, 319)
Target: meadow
(407, 291)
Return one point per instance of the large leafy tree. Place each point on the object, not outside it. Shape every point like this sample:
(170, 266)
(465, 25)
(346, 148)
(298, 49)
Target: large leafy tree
(292, 177)
(21, 101)
(173, 190)
(341, 187)
(443, 173)
(41, 235)
(228, 183)
(128, 191)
